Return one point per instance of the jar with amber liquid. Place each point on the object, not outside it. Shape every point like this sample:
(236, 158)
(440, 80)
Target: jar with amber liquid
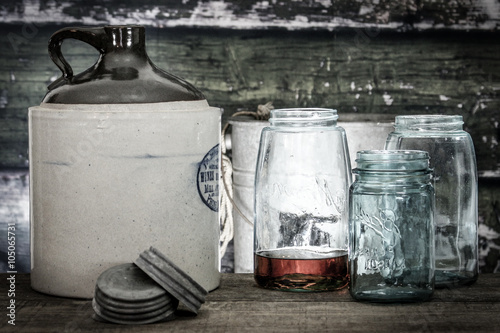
(301, 202)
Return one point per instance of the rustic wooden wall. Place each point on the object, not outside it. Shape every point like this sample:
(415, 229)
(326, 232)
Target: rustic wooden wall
(291, 14)
(360, 70)
(366, 56)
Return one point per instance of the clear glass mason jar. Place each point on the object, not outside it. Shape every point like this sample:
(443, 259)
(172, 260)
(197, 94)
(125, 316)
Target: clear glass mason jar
(453, 161)
(302, 181)
(391, 230)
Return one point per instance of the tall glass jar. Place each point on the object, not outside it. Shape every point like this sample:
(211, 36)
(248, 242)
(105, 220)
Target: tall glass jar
(453, 160)
(391, 238)
(301, 202)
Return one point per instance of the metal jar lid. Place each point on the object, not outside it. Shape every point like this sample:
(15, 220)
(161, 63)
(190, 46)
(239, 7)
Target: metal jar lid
(124, 294)
(132, 319)
(172, 278)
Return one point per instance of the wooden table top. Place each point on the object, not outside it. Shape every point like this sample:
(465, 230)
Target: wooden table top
(238, 305)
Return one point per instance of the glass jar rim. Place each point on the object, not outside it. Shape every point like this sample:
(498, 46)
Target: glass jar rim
(297, 114)
(429, 122)
(392, 160)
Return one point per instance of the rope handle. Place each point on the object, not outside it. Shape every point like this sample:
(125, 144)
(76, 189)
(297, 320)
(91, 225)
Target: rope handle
(227, 202)
(263, 112)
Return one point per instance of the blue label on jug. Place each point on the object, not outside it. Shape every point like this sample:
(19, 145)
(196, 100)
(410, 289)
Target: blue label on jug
(208, 179)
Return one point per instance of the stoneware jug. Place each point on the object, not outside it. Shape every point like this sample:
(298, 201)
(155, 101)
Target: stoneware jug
(123, 156)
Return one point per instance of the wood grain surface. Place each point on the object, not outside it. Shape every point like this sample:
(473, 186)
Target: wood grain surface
(240, 306)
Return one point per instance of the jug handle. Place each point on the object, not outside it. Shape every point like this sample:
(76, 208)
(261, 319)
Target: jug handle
(92, 36)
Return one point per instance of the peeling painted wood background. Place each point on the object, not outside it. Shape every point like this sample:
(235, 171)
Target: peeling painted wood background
(364, 56)
(253, 14)
(354, 71)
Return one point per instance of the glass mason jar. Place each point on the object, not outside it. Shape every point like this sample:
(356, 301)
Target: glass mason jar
(391, 230)
(453, 161)
(301, 202)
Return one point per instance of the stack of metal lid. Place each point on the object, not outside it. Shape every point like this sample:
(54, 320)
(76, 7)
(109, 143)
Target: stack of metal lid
(172, 278)
(124, 294)
(145, 292)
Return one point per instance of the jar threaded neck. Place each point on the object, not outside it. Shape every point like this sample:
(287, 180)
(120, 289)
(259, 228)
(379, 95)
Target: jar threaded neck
(429, 123)
(392, 161)
(303, 117)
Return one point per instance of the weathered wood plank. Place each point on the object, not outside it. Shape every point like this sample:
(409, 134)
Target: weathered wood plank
(14, 211)
(489, 227)
(239, 306)
(367, 71)
(254, 14)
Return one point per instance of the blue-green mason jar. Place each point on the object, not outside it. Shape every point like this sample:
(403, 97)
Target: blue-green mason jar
(391, 227)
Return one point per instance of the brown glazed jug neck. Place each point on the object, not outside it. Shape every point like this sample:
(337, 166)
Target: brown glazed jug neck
(123, 72)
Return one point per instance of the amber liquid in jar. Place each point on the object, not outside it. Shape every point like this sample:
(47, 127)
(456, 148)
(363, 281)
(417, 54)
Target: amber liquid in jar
(276, 270)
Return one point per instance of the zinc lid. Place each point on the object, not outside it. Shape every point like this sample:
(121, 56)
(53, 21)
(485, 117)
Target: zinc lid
(172, 278)
(128, 283)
